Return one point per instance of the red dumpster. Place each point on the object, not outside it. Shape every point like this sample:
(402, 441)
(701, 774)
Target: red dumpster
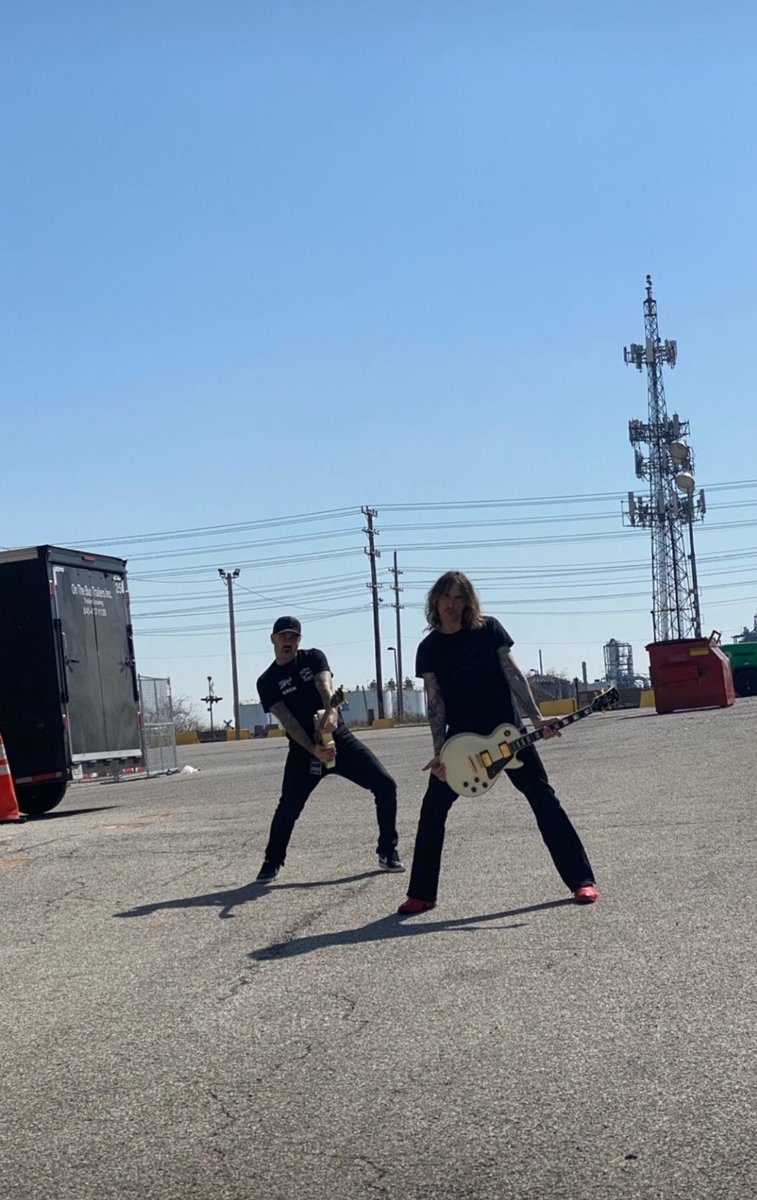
(690, 673)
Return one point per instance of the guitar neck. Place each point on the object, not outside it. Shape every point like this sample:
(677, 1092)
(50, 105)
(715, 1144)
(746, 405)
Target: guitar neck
(336, 701)
(529, 738)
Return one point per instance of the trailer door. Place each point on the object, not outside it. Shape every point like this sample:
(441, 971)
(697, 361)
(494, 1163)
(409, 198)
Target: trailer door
(98, 664)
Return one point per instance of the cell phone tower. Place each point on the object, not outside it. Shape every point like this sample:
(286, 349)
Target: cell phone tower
(670, 508)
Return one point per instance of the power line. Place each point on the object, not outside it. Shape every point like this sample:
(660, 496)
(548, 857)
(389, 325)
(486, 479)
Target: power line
(205, 531)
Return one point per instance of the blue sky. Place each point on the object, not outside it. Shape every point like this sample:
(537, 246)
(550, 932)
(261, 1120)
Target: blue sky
(266, 260)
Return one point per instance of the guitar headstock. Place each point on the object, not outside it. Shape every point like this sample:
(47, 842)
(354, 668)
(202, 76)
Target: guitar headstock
(609, 698)
(337, 698)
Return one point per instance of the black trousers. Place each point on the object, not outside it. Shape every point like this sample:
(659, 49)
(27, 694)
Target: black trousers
(354, 761)
(554, 824)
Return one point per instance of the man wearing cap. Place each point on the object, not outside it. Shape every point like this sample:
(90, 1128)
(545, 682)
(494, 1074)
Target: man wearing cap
(295, 687)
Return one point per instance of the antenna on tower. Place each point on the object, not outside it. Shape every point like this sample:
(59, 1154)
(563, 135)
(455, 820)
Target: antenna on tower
(669, 467)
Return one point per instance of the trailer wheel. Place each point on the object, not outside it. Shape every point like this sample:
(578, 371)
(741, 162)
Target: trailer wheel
(745, 681)
(37, 798)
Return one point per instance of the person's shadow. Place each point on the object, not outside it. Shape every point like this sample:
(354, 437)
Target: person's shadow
(69, 812)
(235, 897)
(394, 926)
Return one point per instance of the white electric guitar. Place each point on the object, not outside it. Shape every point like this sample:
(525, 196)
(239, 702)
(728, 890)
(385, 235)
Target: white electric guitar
(474, 762)
(326, 736)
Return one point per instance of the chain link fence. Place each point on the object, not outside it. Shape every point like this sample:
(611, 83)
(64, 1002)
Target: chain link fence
(158, 724)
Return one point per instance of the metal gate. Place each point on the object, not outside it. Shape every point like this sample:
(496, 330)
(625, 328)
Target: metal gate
(158, 726)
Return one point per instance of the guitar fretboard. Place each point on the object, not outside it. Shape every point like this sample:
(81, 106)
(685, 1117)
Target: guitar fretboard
(529, 738)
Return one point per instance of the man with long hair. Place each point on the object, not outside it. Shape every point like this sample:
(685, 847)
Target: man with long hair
(472, 685)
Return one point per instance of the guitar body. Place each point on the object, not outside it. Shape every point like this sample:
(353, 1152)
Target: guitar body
(468, 758)
(474, 762)
(325, 737)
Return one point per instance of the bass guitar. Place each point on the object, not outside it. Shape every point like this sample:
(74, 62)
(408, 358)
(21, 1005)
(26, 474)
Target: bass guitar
(325, 736)
(474, 762)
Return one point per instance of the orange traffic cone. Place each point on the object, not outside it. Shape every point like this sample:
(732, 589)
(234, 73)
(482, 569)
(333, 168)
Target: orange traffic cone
(8, 802)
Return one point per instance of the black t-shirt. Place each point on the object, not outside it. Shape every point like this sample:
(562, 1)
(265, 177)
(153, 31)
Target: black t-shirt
(468, 670)
(294, 684)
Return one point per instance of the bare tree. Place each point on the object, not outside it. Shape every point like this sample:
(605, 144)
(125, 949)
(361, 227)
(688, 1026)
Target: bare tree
(185, 716)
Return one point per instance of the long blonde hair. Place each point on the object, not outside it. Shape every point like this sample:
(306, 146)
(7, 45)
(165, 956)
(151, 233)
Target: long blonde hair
(472, 618)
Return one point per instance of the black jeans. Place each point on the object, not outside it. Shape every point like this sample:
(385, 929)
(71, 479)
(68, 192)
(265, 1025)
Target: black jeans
(555, 827)
(355, 762)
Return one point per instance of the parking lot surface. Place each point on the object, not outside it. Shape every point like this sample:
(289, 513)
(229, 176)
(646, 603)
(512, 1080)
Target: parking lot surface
(173, 1030)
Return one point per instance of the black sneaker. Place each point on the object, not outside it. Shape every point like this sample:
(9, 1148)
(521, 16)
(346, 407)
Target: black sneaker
(267, 872)
(390, 862)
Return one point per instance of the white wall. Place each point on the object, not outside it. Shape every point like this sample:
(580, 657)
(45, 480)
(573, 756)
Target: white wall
(251, 714)
(361, 700)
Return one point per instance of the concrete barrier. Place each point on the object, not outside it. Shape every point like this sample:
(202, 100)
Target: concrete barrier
(557, 708)
(275, 733)
(190, 738)
(383, 723)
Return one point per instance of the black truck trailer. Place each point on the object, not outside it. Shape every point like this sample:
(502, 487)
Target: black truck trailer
(69, 692)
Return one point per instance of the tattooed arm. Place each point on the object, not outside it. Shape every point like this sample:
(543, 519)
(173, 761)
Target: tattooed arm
(292, 726)
(521, 690)
(324, 682)
(437, 719)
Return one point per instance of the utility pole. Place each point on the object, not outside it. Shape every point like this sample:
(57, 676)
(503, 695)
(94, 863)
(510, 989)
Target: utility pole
(669, 468)
(374, 585)
(398, 655)
(229, 577)
(210, 700)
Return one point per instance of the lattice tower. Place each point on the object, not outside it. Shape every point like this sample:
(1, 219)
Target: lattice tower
(668, 467)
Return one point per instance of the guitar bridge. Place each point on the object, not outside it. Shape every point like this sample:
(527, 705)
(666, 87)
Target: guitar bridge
(477, 764)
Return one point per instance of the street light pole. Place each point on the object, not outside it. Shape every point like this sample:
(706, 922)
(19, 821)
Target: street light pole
(229, 577)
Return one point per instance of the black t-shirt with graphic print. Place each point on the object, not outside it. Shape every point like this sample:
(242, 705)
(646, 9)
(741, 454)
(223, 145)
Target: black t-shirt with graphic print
(294, 684)
(468, 669)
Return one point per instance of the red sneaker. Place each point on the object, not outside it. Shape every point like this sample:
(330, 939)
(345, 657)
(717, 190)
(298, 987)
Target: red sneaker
(587, 894)
(411, 906)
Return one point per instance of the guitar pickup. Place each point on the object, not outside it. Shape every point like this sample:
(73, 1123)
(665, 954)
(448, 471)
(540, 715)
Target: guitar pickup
(505, 750)
(486, 758)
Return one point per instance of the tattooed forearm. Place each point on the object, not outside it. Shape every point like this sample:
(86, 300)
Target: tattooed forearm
(293, 727)
(324, 683)
(435, 710)
(519, 685)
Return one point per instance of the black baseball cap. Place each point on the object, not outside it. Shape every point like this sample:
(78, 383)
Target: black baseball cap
(287, 625)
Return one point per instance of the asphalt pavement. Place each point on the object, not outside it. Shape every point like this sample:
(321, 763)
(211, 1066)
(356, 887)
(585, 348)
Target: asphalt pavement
(173, 1030)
